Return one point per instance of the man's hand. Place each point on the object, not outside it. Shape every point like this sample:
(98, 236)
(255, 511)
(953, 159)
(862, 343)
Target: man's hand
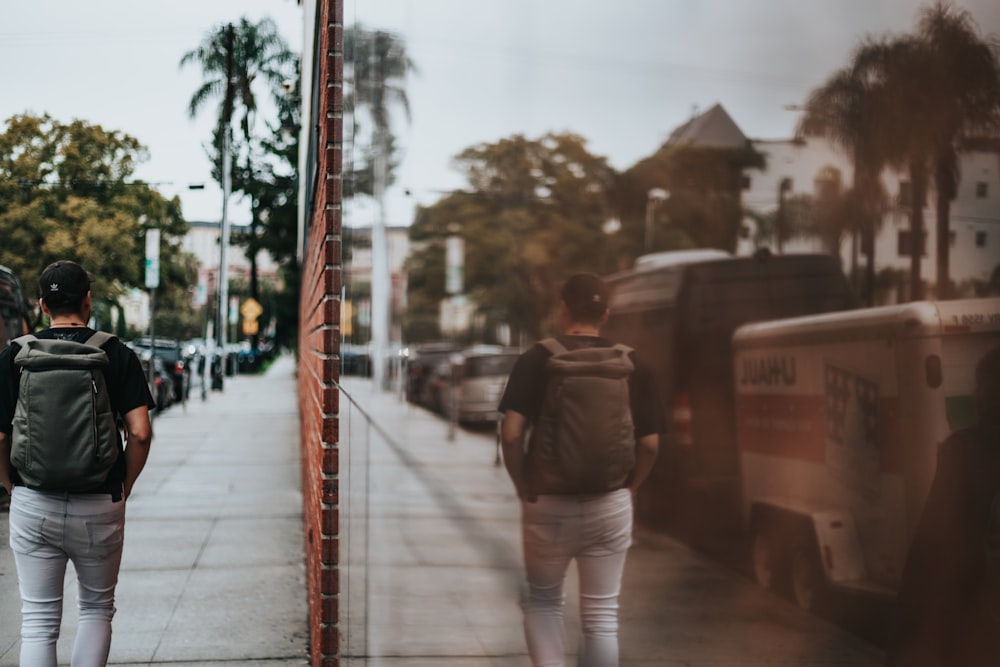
(512, 432)
(646, 449)
(5, 463)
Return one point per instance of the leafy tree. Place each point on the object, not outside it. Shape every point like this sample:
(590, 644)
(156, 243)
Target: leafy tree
(377, 67)
(65, 193)
(704, 208)
(532, 214)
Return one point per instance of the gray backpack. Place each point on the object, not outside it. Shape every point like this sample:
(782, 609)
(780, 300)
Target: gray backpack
(583, 441)
(65, 437)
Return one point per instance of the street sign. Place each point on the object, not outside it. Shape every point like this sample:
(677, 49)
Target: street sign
(152, 258)
(251, 309)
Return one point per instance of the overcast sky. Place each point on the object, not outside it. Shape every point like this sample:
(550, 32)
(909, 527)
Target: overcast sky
(621, 74)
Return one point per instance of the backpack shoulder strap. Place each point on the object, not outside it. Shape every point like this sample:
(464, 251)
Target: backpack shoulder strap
(99, 339)
(553, 345)
(23, 342)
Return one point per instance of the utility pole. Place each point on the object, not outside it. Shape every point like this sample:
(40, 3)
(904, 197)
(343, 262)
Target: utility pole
(380, 252)
(380, 272)
(152, 282)
(222, 313)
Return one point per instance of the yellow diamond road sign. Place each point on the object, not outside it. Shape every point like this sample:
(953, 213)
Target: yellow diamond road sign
(251, 309)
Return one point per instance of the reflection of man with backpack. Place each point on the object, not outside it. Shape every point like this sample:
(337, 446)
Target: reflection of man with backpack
(594, 419)
(948, 610)
(64, 393)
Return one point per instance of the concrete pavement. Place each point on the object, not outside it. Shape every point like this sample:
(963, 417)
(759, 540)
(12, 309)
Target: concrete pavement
(213, 569)
(433, 566)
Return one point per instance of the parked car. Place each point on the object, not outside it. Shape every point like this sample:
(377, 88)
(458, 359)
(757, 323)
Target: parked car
(161, 382)
(474, 391)
(421, 362)
(355, 360)
(175, 361)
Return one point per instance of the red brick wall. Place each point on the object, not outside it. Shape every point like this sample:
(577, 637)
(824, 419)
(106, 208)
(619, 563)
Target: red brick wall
(319, 349)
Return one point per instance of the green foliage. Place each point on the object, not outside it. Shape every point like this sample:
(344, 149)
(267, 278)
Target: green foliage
(532, 215)
(704, 209)
(65, 194)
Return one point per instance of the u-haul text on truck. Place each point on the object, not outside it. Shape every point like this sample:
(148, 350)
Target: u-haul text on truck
(839, 418)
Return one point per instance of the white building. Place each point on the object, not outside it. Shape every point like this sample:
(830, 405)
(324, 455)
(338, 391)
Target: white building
(202, 241)
(974, 222)
(358, 275)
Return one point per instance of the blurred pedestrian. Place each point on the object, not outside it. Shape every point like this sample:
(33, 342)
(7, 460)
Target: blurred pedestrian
(948, 609)
(74, 521)
(576, 490)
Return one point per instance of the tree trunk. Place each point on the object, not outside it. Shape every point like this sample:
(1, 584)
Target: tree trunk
(869, 242)
(944, 181)
(918, 194)
(944, 290)
(254, 288)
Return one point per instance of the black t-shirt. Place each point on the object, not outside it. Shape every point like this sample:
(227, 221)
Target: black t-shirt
(526, 386)
(124, 377)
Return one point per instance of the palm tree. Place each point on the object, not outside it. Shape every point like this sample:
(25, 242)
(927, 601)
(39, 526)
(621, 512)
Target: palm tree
(901, 110)
(963, 79)
(843, 110)
(378, 68)
(934, 89)
(233, 59)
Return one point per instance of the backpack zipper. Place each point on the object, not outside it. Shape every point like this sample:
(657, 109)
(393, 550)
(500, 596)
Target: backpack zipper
(93, 410)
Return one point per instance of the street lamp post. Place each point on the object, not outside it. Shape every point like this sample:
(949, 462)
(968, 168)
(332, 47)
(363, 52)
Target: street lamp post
(653, 199)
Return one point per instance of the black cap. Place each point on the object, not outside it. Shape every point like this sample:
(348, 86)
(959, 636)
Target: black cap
(64, 283)
(586, 297)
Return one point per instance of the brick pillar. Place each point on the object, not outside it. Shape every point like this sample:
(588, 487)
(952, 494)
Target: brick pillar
(319, 348)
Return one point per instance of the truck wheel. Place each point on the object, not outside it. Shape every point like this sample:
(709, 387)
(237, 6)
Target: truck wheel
(809, 585)
(764, 554)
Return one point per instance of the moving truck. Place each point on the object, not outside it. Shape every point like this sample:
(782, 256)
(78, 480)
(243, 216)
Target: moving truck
(679, 310)
(839, 418)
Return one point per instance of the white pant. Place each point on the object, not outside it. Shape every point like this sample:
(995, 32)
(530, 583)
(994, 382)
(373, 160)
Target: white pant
(595, 530)
(46, 531)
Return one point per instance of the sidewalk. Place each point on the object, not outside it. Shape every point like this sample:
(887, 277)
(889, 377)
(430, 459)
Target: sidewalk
(431, 573)
(213, 570)
(433, 566)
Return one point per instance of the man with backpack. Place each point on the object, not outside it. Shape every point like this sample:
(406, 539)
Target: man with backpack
(580, 433)
(64, 394)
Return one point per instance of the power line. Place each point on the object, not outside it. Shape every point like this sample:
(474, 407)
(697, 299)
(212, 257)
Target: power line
(28, 182)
